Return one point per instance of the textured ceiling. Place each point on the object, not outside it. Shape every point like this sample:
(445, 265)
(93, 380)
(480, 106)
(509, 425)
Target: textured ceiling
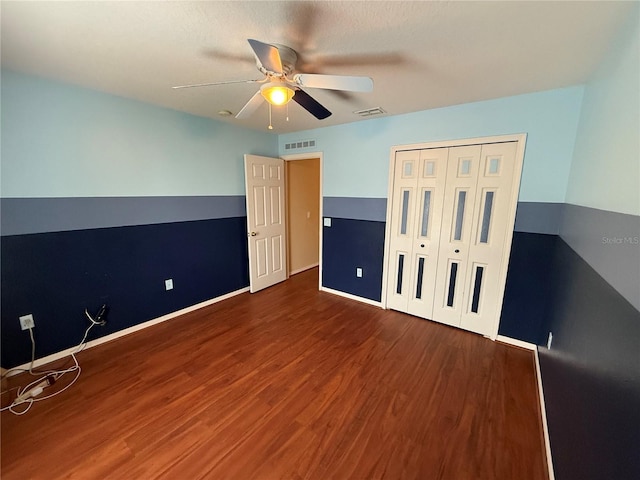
(420, 55)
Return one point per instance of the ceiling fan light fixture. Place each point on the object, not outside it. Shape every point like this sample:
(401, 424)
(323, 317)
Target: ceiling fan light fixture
(277, 93)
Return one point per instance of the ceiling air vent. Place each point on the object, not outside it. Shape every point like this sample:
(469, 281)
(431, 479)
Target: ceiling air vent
(300, 144)
(370, 111)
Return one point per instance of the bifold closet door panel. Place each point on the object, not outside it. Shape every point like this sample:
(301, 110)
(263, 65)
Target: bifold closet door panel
(402, 225)
(427, 225)
(419, 179)
(455, 233)
(484, 288)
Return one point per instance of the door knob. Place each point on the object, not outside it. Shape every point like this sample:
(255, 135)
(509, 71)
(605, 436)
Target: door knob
(422, 245)
(457, 251)
(253, 234)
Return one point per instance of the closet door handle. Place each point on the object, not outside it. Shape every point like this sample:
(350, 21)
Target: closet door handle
(253, 234)
(457, 251)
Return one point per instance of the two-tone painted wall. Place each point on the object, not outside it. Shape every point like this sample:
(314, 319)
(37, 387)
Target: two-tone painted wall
(591, 375)
(355, 182)
(76, 161)
(103, 198)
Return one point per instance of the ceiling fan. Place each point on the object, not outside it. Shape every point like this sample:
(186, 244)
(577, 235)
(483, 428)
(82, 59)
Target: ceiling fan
(277, 63)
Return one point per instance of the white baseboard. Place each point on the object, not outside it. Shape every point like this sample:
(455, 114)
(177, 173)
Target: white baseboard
(308, 267)
(121, 333)
(516, 343)
(543, 410)
(351, 297)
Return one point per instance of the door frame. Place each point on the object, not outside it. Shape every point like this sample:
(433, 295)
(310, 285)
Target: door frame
(310, 156)
(521, 139)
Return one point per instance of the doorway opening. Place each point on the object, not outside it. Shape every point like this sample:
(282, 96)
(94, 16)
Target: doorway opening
(274, 201)
(304, 212)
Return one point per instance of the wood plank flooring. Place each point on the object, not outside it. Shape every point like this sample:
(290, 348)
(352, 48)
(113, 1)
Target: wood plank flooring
(288, 383)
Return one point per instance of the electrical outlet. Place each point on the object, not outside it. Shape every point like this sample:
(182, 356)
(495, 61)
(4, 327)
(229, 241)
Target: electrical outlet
(549, 340)
(26, 322)
(359, 272)
(168, 284)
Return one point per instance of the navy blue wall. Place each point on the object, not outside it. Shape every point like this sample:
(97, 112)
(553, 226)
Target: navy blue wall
(593, 420)
(348, 244)
(591, 375)
(57, 275)
(528, 287)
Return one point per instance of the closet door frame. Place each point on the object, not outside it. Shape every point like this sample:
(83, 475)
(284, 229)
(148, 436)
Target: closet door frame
(519, 160)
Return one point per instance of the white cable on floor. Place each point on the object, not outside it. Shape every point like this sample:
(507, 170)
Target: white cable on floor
(49, 374)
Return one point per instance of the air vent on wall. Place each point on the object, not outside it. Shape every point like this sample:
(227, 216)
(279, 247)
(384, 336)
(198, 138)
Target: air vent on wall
(370, 111)
(300, 144)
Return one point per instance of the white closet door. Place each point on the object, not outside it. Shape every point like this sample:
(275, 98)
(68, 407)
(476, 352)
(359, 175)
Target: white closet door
(427, 221)
(455, 234)
(402, 225)
(451, 224)
(419, 179)
(490, 229)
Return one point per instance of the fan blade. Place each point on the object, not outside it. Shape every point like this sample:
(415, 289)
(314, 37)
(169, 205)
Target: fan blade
(214, 83)
(310, 105)
(334, 82)
(251, 106)
(268, 55)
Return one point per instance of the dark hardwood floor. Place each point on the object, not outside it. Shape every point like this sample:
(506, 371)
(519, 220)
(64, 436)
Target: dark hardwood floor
(288, 383)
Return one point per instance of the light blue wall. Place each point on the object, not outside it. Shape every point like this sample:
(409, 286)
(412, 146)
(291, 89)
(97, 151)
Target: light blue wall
(356, 155)
(601, 219)
(60, 140)
(605, 173)
(65, 141)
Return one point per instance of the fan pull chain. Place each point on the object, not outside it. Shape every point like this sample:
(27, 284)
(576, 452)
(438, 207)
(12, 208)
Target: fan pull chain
(287, 112)
(270, 126)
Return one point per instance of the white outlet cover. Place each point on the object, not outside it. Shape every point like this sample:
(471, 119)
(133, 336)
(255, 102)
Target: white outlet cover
(168, 284)
(358, 272)
(26, 321)
(327, 222)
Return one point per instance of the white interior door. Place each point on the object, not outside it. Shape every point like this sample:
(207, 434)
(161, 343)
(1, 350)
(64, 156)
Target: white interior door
(451, 219)
(266, 236)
